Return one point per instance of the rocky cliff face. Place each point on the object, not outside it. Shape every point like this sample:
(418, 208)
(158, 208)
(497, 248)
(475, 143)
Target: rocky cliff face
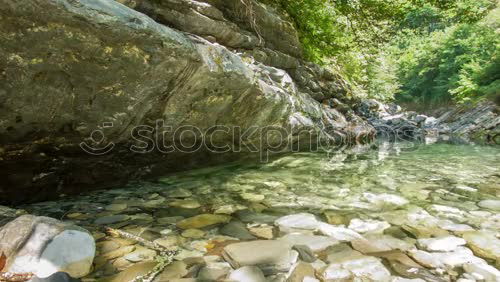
(69, 68)
(479, 123)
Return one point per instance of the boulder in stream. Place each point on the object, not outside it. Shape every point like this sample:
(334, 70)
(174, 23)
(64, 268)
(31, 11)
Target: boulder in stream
(44, 246)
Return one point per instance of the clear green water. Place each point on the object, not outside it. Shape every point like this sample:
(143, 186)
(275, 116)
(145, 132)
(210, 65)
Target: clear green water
(431, 174)
(428, 174)
(434, 189)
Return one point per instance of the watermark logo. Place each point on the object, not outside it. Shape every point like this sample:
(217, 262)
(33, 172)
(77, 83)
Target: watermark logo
(162, 138)
(96, 144)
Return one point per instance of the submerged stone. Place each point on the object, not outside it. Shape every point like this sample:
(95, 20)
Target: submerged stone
(376, 243)
(202, 220)
(305, 253)
(193, 233)
(173, 271)
(247, 274)
(111, 219)
(385, 201)
(248, 216)
(229, 209)
(185, 204)
(490, 204)
(314, 242)
(441, 244)
(214, 271)
(140, 254)
(169, 219)
(133, 272)
(301, 221)
(179, 193)
(338, 218)
(256, 198)
(270, 255)
(300, 272)
(169, 241)
(338, 233)
(236, 229)
(118, 252)
(484, 244)
(265, 232)
(358, 267)
(488, 272)
(107, 246)
(368, 226)
(453, 259)
(340, 252)
(116, 207)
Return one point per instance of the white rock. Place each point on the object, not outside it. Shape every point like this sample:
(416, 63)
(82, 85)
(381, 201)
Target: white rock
(338, 233)
(489, 272)
(363, 267)
(383, 201)
(484, 244)
(463, 189)
(453, 259)
(229, 209)
(401, 279)
(480, 213)
(442, 244)
(375, 243)
(56, 257)
(448, 212)
(490, 204)
(45, 245)
(454, 227)
(315, 242)
(368, 226)
(335, 272)
(247, 274)
(490, 222)
(303, 221)
(252, 197)
(310, 279)
(140, 254)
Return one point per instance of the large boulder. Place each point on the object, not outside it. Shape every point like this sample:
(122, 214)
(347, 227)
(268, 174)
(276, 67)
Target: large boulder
(197, 17)
(260, 31)
(101, 73)
(44, 246)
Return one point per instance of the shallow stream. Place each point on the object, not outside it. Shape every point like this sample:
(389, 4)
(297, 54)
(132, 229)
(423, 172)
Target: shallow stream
(389, 192)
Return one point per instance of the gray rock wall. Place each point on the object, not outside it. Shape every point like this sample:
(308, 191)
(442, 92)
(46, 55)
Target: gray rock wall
(70, 67)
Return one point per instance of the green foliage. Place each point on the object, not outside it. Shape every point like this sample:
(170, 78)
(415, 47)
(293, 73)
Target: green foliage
(457, 64)
(331, 28)
(419, 51)
(441, 56)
